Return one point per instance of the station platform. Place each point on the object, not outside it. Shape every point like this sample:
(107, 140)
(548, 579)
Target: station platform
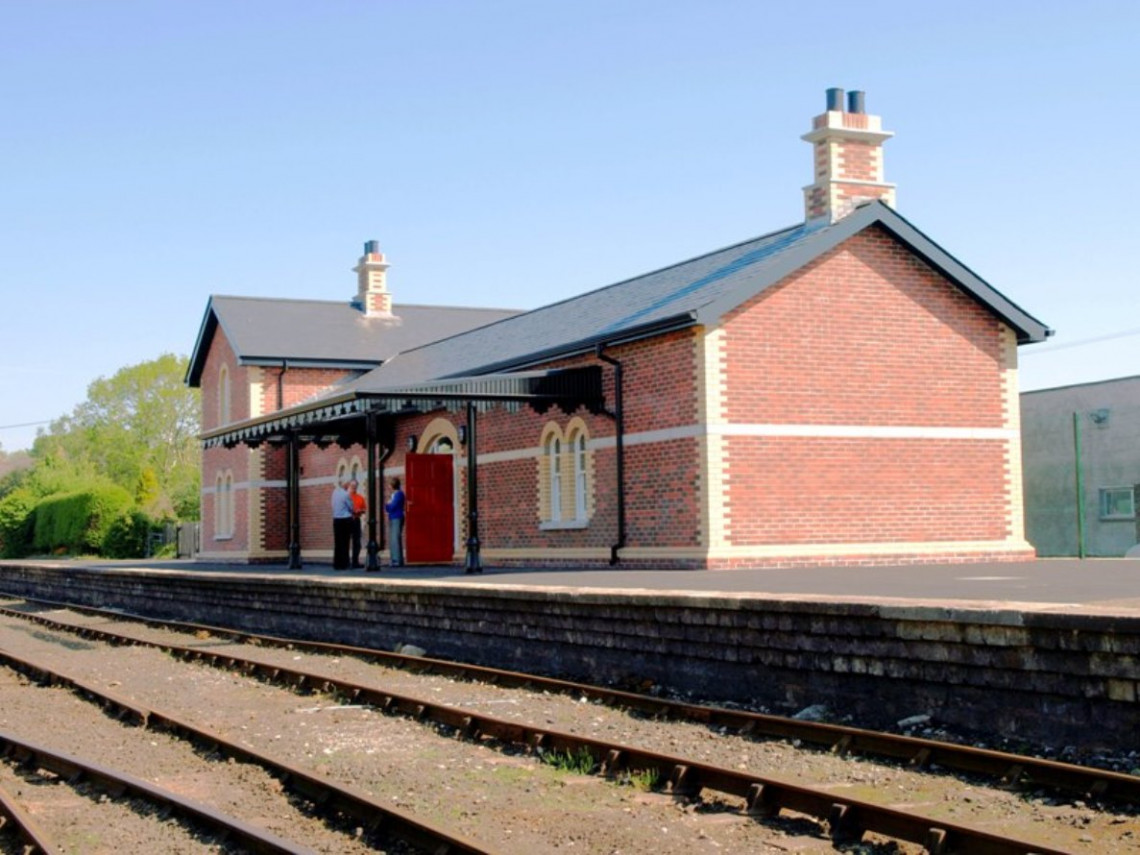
(1092, 586)
(1044, 651)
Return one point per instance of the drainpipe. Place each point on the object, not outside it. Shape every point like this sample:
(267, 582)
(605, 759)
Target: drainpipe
(293, 501)
(619, 421)
(474, 563)
(281, 385)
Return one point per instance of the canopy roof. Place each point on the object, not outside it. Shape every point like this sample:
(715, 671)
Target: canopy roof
(340, 419)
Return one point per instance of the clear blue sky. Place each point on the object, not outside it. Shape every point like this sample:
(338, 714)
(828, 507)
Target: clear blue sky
(513, 153)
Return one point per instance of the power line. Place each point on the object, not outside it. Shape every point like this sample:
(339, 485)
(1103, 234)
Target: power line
(1081, 342)
(24, 425)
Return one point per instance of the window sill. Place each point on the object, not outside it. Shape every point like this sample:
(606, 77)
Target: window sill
(563, 524)
(223, 537)
(1119, 519)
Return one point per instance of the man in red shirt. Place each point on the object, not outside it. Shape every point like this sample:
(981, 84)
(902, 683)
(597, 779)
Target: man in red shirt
(359, 508)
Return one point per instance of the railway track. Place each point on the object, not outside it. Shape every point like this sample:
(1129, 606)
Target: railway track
(16, 822)
(31, 755)
(1004, 768)
(377, 821)
(847, 818)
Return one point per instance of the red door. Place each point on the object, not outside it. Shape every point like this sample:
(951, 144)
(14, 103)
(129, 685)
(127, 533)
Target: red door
(429, 527)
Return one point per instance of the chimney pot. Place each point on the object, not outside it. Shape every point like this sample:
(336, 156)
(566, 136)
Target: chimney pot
(855, 101)
(835, 99)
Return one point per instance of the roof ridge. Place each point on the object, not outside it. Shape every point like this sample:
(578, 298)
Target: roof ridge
(347, 304)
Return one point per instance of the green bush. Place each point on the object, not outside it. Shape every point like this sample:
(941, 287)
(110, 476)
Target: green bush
(127, 535)
(16, 523)
(78, 522)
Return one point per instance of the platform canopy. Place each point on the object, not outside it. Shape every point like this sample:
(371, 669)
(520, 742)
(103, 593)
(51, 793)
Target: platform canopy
(340, 418)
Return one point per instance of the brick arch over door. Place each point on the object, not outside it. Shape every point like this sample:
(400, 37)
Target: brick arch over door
(437, 429)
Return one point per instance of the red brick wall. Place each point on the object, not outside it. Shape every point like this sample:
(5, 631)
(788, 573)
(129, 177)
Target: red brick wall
(215, 460)
(296, 385)
(663, 479)
(823, 490)
(867, 335)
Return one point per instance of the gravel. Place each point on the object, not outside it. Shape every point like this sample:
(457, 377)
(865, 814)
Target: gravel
(511, 802)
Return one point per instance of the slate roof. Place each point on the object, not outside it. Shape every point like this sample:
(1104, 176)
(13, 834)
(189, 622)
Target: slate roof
(323, 333)
(700, 290)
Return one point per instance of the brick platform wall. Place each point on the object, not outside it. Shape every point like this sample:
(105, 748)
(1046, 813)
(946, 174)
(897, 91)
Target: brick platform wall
(1043, 677)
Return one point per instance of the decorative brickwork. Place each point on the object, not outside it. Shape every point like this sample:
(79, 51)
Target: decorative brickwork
(848, 160)
(867, 402)
(372, 283)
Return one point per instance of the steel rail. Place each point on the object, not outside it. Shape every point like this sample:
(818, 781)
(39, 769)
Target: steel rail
(847, 818)
(327, 795)
(36, 842)
(1011, 770)
(74, 770)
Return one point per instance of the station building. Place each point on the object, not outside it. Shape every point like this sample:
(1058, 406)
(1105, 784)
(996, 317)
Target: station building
(838, 391)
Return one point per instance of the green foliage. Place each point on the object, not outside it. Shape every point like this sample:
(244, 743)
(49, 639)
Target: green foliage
(78, 522)
(17, 509)
(167, 550)
(138, 429)
(580, 762)
(126, 536)
(644, 780)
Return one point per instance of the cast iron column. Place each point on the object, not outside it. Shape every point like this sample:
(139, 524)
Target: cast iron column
(474, 562)
(373, 562)
(293, 502)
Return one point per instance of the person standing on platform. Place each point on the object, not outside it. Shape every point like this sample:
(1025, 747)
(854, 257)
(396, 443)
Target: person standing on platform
(342, 525)
(395, 509)
(359, 506)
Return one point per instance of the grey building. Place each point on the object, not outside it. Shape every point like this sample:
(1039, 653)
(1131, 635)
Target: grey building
(1081, 466)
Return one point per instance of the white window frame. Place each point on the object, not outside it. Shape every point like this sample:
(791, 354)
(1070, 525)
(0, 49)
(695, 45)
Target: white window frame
(224, 506)
(224, 409)
(581, 486)
(1106, 504)
(219, 514)
(554, 456)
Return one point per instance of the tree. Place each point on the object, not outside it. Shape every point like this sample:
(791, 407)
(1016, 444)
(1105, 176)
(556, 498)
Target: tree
(139, 429)
(13, 462)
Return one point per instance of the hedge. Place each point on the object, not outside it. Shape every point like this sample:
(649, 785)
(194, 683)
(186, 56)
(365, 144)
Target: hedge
(79, 522)
(17, 518)
(127, 536)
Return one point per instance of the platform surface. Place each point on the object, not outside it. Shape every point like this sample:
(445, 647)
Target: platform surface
(1093, 586)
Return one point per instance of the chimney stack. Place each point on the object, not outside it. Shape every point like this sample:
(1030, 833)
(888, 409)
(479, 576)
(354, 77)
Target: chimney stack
(848, 144)
(372, 295)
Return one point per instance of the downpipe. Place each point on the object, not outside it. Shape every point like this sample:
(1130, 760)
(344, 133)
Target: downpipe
(619, 421)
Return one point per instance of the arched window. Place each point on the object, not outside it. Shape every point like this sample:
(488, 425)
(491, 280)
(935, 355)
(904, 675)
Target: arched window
(565, 476)
(224, 395)
(443, 445)
(579, 449)
(580, 464)
(219, 511)
(554, 465)
(228, 488)
(224, 506)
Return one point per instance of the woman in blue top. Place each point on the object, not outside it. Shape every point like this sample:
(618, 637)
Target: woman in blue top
(395, 509)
